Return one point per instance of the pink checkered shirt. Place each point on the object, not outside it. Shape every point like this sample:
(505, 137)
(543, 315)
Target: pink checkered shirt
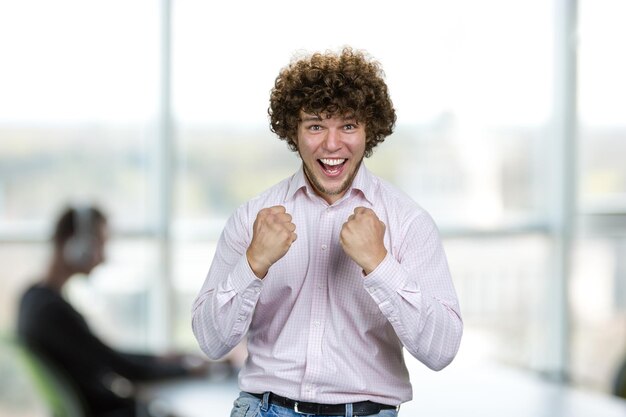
(317, 329)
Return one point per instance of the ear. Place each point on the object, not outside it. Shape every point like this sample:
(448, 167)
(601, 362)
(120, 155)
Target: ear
(293, 142)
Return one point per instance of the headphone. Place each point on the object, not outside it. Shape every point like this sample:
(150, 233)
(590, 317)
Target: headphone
(79, 249)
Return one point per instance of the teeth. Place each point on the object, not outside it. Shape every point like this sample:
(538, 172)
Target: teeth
(332, 162)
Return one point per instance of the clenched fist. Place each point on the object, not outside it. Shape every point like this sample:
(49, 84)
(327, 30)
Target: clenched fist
(362, 239)
(272, 236)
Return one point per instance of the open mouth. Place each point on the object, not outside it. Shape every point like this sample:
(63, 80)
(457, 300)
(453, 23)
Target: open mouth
(332, 166)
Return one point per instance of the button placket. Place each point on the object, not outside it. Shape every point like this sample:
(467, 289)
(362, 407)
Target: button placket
(319, 302)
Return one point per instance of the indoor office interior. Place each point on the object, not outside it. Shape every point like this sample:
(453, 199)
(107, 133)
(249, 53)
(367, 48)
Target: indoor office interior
(511, 133)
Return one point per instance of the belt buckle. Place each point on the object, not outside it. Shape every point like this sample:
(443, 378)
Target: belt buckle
(295, 408)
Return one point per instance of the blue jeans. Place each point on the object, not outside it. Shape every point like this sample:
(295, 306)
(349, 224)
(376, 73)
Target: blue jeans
(250, 406)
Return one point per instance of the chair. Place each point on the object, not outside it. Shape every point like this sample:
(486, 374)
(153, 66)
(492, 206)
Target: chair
(51, 384)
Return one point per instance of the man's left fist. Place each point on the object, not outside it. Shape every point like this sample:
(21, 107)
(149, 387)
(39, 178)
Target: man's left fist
(362, 239)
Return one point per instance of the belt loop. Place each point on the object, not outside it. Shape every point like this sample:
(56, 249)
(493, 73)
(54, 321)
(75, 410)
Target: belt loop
(265, 402)
(349, 410)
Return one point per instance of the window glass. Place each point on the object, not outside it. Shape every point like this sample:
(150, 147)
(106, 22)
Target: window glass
(27, 263)
(191, 262)
(502, 286)
(598, 301)
(78, 98)
(602, 100)
(597, 293)
(79, 88)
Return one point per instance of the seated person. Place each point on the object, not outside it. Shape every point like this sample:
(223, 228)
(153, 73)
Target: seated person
(54, 330)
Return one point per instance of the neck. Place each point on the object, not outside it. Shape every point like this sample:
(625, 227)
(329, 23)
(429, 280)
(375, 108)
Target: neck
(58, 274)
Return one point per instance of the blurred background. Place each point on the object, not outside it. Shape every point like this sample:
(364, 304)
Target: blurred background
(511, 132)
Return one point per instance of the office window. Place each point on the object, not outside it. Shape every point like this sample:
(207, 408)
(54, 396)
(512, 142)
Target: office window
(602, 100)
(597, 294)
(78, 98)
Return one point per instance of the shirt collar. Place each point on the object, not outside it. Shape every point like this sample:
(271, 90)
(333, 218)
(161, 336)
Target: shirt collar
(363, 182)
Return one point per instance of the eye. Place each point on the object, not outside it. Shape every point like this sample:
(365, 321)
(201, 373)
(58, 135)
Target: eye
(315, 128)
(350, 126)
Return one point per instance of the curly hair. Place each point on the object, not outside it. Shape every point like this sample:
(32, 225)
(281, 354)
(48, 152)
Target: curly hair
(329, 84)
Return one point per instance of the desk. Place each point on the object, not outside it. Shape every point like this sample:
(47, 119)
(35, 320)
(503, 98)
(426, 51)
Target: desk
(193, 397)
(475, 390)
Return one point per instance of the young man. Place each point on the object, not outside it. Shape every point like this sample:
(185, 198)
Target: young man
(332, 271)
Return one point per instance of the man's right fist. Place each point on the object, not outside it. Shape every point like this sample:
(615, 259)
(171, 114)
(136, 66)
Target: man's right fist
(272, 236)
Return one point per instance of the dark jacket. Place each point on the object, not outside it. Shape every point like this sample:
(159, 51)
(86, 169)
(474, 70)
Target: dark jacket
(52, 328)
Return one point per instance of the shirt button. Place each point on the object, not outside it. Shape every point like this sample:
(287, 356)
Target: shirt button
(316, 323)
(324, 247)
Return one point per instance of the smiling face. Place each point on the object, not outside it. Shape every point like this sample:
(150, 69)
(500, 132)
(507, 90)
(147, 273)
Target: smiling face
(331, 150)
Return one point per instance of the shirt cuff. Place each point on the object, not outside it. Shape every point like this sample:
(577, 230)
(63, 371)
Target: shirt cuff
(244, 281)
(385, 281)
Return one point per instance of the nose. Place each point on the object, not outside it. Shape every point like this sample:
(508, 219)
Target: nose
(332, 142)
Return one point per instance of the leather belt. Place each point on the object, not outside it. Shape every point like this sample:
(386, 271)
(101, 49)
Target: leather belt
(362, 408)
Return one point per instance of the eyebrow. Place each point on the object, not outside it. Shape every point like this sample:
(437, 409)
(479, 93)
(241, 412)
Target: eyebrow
(311, 118)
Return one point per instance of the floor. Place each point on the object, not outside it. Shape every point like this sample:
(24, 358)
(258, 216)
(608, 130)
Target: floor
(468, 390)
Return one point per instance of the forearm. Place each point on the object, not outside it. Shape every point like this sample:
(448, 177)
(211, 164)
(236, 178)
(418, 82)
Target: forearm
(427, 322)
(437, 341)
(223, 310)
